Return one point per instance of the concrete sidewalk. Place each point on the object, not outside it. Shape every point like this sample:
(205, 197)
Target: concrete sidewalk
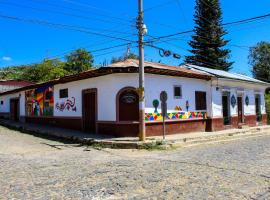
(172, 141)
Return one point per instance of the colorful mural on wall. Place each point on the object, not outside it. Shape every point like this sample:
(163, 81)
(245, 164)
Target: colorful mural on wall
(175, 115)
(68, 105)
(39, 102)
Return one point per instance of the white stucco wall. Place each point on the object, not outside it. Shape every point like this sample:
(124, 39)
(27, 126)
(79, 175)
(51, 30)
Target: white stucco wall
(5, 108)
(154, 84)
(109, 85)
(22, 104)
(237, 89)
(107, 88)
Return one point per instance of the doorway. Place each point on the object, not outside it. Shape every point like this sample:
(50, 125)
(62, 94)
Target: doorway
(89, 110)
(128, 105)
(258, 108)
(14, 109)
(240, 110)
(226, 108)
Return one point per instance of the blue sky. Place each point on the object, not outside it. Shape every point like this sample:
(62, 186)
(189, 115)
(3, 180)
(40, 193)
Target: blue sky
(23, 43)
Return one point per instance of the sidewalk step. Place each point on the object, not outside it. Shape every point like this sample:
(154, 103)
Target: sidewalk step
(216, 139)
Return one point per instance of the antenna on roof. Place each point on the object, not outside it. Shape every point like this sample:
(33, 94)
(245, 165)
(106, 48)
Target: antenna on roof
(128, 50)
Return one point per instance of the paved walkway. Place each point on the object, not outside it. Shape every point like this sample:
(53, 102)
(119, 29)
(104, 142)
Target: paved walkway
(177, 140)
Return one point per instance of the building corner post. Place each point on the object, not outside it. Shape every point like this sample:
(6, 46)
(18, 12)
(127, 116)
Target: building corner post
(141, 91)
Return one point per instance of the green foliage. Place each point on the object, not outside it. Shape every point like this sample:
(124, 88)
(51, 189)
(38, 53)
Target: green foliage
(259, 58)
(45, 71)
(123, 58)
(78, 61)
(14, 72)
(208, 42)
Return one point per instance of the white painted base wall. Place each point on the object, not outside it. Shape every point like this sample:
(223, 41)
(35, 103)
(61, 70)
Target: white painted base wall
(5, 108)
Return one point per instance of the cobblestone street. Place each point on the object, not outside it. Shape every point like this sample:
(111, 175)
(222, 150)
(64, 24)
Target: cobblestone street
(36, 168)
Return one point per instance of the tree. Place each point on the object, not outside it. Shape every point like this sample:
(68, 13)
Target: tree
(78, 61)
(123, 58)
(259, 58)
(208, 42)
(47, 70)
(13, 72)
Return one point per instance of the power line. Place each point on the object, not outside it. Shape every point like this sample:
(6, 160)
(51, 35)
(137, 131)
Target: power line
(62, 56)
(207, 39)
(62, 26)
(182, 11)
(84, 5)
(79, 9)
(165, 53)
(114, 51)
(248, 20)
(65, 14)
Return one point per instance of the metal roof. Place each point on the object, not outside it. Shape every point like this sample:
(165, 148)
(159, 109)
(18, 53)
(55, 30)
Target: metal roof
(224, 74)
(135, 63)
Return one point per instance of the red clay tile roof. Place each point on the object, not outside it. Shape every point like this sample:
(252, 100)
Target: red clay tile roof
(128, 66)
(135, 63)
(19, 83)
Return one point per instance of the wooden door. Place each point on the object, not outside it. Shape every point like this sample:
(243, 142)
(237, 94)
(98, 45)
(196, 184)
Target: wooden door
(90, 110)
(128, 106)
(258, 108)
(240, 109)
(14, 109)
(225, 109)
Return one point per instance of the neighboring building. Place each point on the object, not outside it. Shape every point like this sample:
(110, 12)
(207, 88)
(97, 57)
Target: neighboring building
(105, 100)
(6, 85)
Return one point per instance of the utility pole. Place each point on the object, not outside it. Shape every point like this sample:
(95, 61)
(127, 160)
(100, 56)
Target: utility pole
(141, 31)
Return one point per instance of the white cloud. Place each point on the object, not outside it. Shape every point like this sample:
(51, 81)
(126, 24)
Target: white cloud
(6, 58)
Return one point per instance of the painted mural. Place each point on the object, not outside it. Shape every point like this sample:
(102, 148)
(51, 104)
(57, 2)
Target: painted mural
(68, 105)
(39, 101)
(175, 115)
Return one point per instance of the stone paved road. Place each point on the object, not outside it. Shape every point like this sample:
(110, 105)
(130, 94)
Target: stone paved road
(35, 168)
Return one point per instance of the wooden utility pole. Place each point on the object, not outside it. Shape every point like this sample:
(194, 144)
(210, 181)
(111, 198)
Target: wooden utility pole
(141, 31)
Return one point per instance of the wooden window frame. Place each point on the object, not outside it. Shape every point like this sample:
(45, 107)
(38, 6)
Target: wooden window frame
(181, 92)
(200, 106)
(62, 97)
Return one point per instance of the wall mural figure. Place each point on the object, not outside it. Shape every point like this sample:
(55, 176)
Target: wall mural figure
(39, 101)
(68, 105)
(233, 101)
(187, 105)
(156, 104)
(247, 100)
